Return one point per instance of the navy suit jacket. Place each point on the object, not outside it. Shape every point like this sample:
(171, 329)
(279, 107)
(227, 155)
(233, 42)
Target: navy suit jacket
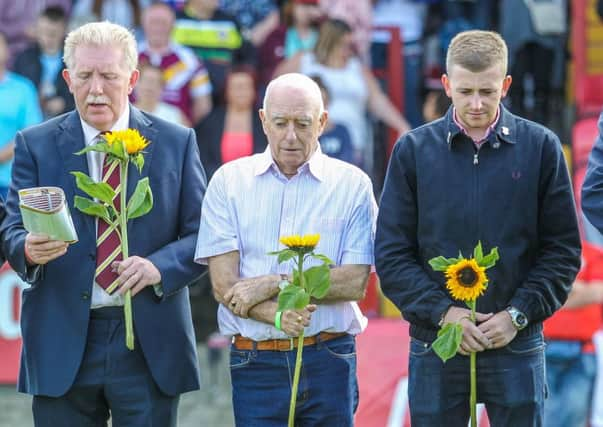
(56, 307)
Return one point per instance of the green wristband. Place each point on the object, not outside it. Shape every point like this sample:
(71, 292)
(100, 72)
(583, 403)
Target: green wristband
(277, 320)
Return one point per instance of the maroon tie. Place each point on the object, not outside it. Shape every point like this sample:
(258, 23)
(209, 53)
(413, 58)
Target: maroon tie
(108, 247)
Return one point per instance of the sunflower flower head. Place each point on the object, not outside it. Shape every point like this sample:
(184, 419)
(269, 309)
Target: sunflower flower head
(305, 243)
(466, 280)
(132, 140)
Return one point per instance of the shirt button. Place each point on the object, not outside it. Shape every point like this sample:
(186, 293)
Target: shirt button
(85, 295)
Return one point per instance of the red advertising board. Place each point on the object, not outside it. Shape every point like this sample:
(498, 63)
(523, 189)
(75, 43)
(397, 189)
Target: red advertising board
(10, 330)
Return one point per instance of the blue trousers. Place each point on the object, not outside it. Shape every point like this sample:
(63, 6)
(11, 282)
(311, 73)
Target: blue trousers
(327, 393)
(112, 380)
(510, 382)
(570, 376)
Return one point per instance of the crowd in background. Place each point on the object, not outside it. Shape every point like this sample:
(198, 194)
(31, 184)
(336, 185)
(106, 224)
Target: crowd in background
(189, 49)
(206, 63)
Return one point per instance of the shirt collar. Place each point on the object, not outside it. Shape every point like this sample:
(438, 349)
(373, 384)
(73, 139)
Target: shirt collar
(315, 165)
(489, 130)
(90, 133)
(503, 127)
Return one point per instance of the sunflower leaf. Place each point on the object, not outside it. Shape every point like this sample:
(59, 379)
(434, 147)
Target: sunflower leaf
(478, 252)
(323, 258)
(293, 298)
(317, 280)
(141, 201)
(490, 259)
(97, 190)
(448, 341)
(440, 263)
(286, 255)
(91, 207)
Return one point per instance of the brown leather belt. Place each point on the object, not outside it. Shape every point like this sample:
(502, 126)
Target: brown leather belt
(242, 343)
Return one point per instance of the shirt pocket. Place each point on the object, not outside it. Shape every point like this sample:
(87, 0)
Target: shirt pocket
(332, 235)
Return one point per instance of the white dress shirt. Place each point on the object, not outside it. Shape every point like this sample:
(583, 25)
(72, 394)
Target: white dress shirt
(249, 204)
(100, 298)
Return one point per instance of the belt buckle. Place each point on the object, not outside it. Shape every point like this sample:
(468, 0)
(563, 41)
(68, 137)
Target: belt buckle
(291, 344)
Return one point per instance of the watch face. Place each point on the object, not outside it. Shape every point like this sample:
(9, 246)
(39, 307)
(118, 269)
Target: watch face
(521, 320)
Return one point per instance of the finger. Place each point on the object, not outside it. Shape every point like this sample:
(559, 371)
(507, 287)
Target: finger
(481, 317)
(138, 287)
(472, 344)
(128, 282)
(228, 296)
(311, 307)
(37, 238)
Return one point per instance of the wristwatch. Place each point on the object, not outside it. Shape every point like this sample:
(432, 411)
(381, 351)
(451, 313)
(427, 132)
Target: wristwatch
(283, 282)
(518, 319)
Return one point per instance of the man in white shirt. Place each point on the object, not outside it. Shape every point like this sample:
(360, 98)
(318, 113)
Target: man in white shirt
(291, 188)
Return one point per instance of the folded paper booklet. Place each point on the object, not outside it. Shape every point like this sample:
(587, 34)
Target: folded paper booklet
(44, 211)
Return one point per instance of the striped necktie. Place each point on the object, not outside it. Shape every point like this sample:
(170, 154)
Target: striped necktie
(108, 246)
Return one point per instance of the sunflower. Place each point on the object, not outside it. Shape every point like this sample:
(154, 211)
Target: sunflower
(305, 243)
(132, 140)
(466, 280)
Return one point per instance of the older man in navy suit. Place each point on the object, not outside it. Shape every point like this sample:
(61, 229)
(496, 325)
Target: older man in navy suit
(74, 359)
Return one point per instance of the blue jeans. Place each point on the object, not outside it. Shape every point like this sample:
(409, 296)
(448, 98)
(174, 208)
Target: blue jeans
(510, 382)
(570, 376)
(327, 394)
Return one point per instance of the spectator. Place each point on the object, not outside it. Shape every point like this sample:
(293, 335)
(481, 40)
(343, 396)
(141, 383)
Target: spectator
(302, 17)
(358, 14)
(148, 96)
(20, 108)
(258, 18)
(123, 12)
(536, 60)
(18, 18)
(233, 130)
(351, 85)
(436, 104)
(216, 39)
(409, 17)
(187, 84)
(335, 140)
(571, 364)
(42, 63)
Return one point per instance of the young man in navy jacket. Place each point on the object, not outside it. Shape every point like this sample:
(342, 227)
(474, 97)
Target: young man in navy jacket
(478, 174)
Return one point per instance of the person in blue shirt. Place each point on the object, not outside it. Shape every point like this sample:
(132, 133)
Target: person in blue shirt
(22, 111)
(335, 140)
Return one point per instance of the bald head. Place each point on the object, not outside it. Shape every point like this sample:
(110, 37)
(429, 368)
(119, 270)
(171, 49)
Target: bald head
(293, 118)
(295, 82)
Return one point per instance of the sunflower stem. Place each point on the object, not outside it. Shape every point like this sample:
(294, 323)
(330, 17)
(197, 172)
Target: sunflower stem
(298, 362)
(473, 376)
(123, 225)
(300, 348)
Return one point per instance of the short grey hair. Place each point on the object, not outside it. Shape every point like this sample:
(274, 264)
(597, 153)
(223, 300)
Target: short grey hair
(296, 81)
(102, 34)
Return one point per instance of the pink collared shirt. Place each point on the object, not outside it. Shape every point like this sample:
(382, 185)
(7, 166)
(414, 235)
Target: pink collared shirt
(490, 129)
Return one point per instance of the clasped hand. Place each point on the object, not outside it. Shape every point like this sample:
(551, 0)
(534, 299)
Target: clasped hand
(491, 330)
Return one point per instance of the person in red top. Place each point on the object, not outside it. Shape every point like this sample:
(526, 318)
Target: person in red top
(570, 353)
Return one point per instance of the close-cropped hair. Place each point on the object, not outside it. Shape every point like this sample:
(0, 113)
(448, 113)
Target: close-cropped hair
(331, 32)
(102, 34)
(476, 51)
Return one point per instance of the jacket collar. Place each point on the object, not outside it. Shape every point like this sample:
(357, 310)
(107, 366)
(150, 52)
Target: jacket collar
(504, 131)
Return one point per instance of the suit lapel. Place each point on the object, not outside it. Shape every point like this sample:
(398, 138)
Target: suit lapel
(145, 126)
